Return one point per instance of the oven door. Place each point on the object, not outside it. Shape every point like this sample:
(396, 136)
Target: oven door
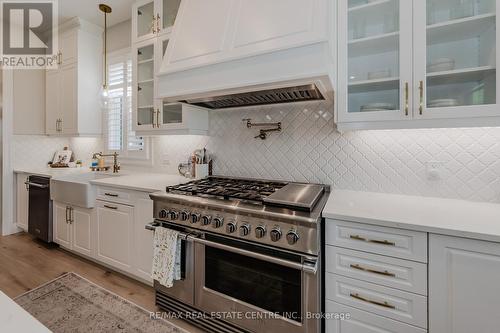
(182, 290)
(256, 288)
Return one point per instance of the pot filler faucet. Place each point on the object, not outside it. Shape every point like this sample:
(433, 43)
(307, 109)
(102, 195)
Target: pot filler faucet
(116, 165)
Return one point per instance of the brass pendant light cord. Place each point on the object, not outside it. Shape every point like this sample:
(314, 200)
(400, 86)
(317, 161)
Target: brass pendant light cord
(106, 10)
(105, 51)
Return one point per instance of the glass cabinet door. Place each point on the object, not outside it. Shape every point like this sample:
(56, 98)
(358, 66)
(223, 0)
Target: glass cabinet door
(144, 78)
(456, 57)
(144, 20)
(171, 113)
(169, 13)
(375, 66)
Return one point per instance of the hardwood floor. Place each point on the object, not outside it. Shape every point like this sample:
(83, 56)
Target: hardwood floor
(26, 263)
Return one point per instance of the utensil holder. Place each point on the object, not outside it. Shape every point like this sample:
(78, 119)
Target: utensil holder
(201, 171)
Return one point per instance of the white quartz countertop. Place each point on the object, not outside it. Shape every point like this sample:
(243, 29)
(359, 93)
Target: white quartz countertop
(14, 318)
(127, 179)
(435, 215)
(51, 172)
(146, 182)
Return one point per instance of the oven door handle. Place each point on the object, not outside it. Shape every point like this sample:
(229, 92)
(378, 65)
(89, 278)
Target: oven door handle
(29, 184)
(309, 266)
(183, 236)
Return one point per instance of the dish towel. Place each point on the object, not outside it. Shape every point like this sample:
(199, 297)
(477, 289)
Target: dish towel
(167, 256)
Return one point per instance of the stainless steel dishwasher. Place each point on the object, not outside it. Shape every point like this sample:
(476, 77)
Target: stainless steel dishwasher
(40, 208)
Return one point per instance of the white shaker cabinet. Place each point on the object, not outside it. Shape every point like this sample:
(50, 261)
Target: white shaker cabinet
(115, 234)
(22, 202)
(29, 113)
(62, 227)
(82, 225)
(74, 228)
(417, 63)
(464, 293)
(72, 90)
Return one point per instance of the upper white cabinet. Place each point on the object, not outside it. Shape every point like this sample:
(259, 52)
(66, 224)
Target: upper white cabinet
(208, 32)
(455, 59)
(29, 113)
(72, 103)
(151, 116)
(464, 293)
(405, 63)
(375, 60)
(151, 18)
(144, 66)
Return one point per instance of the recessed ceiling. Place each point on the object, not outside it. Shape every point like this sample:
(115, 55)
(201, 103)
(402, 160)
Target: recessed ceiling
(89, 10)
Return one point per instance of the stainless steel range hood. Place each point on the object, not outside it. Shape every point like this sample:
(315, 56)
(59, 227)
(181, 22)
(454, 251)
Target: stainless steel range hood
(303, 93)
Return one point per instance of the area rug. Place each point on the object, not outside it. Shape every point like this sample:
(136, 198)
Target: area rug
(71, 303)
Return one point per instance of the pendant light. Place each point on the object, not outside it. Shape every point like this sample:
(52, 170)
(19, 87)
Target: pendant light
(106, 10)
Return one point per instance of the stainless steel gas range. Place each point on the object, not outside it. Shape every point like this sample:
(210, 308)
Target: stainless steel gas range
(250, 254)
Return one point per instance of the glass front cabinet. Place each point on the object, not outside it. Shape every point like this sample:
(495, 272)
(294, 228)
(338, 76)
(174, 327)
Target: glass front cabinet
(152, 18)
(144, 103)
(442, 67)
(152, 25)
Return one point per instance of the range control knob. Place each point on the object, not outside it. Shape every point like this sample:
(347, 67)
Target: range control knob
(292, 237)
(260, 231)
(173, 215)
(244, 230)
(231, 227)
(195, 217)
(163, 214)
(218, 222)
(184, 215)
(275, 234)
(206, 220)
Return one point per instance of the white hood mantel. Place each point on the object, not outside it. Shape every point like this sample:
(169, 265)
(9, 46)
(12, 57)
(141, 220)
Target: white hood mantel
(235, 47)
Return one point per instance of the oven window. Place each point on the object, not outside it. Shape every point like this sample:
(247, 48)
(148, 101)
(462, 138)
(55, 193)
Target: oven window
(272, 287)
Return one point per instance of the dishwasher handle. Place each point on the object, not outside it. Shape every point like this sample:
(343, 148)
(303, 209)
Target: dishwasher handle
(36, 185)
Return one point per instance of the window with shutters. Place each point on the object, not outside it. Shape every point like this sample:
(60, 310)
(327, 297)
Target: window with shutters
(119, 136)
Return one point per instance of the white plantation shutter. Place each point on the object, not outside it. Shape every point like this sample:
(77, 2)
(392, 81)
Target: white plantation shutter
(120, 136)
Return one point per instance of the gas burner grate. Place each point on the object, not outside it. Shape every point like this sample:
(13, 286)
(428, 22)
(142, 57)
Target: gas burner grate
(228, 188)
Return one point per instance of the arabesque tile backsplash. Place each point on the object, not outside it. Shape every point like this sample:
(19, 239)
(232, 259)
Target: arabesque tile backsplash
(310, 149)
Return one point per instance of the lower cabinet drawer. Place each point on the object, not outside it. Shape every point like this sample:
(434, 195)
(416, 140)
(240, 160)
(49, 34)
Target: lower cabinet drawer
(388, 302)
(391, 272)
(392, 242)
(358, 321)
(114, 195)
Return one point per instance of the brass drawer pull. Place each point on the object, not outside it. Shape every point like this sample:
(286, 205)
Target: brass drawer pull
(421, 105)
(382, 242)
(385, 273)
(384, 304)
(407, 98)
(111, 207)
(111, 195)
